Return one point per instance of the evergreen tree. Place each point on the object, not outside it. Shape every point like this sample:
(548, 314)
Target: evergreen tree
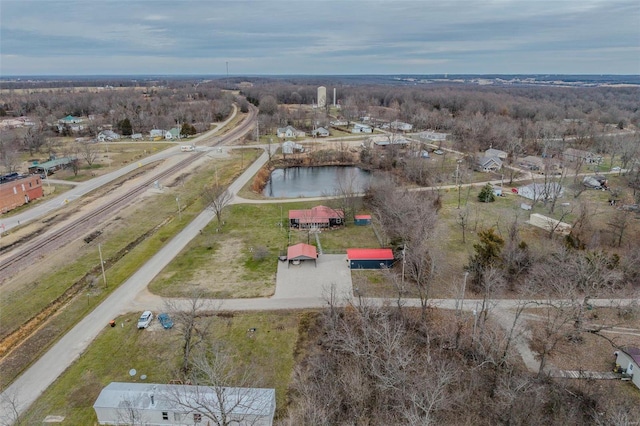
(125, 127)
(486, 194)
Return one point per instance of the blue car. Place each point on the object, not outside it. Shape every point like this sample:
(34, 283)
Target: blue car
(165, 321)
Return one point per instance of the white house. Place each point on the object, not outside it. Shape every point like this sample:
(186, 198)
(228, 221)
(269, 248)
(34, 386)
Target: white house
(136, 136)
(541, 191)
(588, 157)
(339, 123)
(386, 140)
(629, 361)
(401, 126)
(290, 147)
(108, 135)
(289, 132)
(361, 128)
(71, 122)
(433, 136)
(157, 404)
(320, 132)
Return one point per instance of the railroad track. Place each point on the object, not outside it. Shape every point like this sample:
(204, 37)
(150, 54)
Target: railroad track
(64, 235)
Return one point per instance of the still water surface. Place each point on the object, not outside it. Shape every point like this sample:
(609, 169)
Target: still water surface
(314, 181)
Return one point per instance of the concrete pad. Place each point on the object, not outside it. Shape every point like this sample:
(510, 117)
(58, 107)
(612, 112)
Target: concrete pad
(308, 280)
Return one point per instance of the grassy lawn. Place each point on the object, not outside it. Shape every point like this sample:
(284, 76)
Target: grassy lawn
(156, 353)
(127, 242)
(239, 258)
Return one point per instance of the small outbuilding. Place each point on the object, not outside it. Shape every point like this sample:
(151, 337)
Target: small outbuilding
(362, 219)
(628, 360)
(300, 252)
(367, 258)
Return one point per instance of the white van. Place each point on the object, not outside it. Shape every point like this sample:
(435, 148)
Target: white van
(187, 148)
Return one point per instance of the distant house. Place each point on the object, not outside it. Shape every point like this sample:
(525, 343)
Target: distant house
(108, 136)
(489, 164)
(386, 140)
(316, 217)
(577, 155)
(290, 147)
(70, 122)
(157, 134)
(300, 252)
(401, 126)
(629, 361)
(433, 136)
(289, 132)
(173, 133)
(159, 404)
(541, 165)
(339, 123)
(320, 132)
(361, 128)
(491, 152)
(136, 136)
(541, 191)
(368, 258)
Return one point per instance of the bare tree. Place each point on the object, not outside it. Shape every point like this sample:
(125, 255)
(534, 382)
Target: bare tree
(217, 198)
(187, 318)
(89, 152)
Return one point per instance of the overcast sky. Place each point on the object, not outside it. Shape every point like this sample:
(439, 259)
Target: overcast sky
(90, 37)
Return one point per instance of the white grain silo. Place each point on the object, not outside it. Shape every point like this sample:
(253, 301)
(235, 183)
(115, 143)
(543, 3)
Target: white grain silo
(322, 97)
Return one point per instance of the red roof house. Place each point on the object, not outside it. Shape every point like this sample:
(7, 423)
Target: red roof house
(316, 217)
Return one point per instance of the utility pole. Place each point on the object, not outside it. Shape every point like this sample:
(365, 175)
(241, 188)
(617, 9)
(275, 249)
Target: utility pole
(458, 182)
(464, 288)
(404, 249)
(104, 277)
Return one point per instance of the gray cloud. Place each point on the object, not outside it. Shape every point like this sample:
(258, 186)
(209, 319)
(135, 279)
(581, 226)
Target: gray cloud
(319, 37)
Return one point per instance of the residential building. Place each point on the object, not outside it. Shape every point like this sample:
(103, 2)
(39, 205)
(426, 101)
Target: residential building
(316, 217)
(290, 147)
(541, 191)
(577, 155)
(488, 164)
(401, 126)
(491, 152)
(628, 359)
(108, 135)
(158, 404)
(361, 128)
(433, 136)
(289, 132)
(320, 132)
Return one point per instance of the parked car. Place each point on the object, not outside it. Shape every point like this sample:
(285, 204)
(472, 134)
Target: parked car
(145, 319)
(438, 152)
(165, 321)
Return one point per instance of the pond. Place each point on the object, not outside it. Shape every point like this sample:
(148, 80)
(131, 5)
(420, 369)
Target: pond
(315, 181)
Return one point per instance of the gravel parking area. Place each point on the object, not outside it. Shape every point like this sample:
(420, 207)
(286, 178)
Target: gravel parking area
(309, 279)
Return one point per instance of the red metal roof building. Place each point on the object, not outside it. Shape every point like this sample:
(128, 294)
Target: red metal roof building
(370, 258)
(316, 217)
